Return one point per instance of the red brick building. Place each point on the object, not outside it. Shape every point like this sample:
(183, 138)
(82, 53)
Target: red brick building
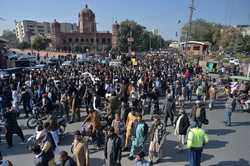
(86, 38)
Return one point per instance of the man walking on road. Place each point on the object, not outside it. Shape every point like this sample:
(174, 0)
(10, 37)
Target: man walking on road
(230, 107)
(197, 138)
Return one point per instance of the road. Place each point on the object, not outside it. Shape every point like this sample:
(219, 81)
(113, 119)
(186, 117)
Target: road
(228, 146)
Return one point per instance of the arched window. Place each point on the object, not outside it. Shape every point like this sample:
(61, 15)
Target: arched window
(82, 40)
(77, 40)
(70, 40)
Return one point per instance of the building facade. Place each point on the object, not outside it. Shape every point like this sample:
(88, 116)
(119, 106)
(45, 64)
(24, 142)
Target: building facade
(195, 48)
(87, 38)
(245, 29)
(27, 28)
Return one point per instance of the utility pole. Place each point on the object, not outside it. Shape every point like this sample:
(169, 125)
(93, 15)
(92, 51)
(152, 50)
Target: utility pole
(190, 25)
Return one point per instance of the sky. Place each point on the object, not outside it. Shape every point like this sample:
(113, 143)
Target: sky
(153, 14)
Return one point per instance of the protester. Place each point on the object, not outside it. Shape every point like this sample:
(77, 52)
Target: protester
(230, 107)
(129, 131)
(113, 149)
(119, 127)
(140, 161)
(140, 131)
(157, 136)
(169, 110)
(66, 160)
(196, 140)
(181, 127)
(12, 126)
(80, 150)
(39, 159)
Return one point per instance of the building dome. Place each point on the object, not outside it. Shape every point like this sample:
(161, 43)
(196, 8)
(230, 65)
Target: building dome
(86, 11)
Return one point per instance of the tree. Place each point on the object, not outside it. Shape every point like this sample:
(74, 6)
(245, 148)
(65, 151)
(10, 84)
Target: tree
(23, 45)
(40, 43)
(10, 36)
(142, 37)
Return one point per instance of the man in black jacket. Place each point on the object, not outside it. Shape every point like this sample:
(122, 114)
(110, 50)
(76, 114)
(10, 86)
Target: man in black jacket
(169, 109)
(113, 149)
(12, 126)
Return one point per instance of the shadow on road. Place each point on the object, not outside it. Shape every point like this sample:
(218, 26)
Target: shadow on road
(67, 139)
(241, 162)
(241, 123)
(220, 131)
(18, 147)
(215, 144)
(97, 161)
(171, 154)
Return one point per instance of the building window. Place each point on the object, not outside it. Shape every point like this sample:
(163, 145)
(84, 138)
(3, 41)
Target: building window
(64, 41)
(92, 40)
(70, 40)
(109, 41)
(87, 40)
(97, 41)
(82, 40)
(77, 40)
(196, 48)
(103, 41)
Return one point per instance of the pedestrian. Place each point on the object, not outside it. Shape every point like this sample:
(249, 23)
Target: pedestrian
(119, 127)
(47, 144)
(169, 109)
(157, 135)
(39, 159)
(230, 107)
(75, 107)
(130, 120)
(140, 130)
(94, 119)
(181, 127)
(198, 114)
(113, 149)
(66, 160)
(140, 160)
(4, 162)
(80, 150)
(212, 96)
(12, 126)
(196, 140)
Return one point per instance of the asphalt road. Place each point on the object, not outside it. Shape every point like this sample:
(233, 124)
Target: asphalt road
(228, 146)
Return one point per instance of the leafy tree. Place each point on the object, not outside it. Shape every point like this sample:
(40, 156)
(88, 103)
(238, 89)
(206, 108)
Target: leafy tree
(40, 43)
(23, 45)
(142, 37)
(10, 36)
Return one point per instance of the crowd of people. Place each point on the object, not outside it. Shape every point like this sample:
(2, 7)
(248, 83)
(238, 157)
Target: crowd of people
(111, 102)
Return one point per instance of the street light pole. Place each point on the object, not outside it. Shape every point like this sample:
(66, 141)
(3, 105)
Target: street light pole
(190, 25)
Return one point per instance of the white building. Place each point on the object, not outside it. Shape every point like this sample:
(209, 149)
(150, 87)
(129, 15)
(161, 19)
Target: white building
(27, 28)
(245, 29)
